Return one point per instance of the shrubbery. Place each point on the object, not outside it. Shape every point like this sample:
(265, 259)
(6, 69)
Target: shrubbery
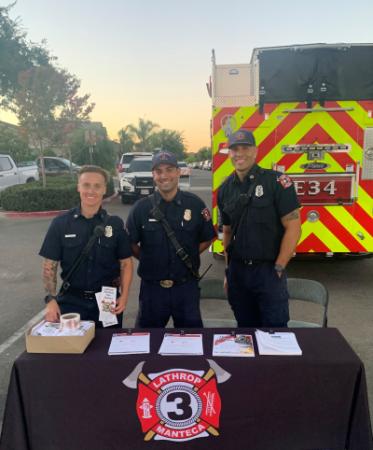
(60, 193)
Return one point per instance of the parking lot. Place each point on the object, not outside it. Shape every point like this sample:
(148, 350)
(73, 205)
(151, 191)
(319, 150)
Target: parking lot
(349, 281)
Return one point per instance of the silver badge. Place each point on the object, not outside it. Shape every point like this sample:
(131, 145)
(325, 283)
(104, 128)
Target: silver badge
(108, 231)
(259, 191)
(188, 214)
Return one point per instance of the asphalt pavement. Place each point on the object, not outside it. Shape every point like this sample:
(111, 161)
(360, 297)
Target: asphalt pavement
(349, 281)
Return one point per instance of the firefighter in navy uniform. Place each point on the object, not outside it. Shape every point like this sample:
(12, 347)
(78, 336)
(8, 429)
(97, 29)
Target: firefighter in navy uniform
(108, 262)
(261, 227)
(169, 285)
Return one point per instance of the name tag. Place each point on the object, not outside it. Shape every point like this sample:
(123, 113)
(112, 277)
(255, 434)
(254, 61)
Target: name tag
(152, 220)
(70, 235)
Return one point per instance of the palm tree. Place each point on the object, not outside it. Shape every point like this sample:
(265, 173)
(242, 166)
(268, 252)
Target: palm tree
(143, 132)
(126, 139)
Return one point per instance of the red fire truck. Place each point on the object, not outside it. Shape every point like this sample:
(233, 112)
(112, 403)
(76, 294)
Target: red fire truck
(310, 108)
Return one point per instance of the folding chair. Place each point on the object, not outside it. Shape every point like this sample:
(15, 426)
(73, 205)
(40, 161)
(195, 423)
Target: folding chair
(308, 291)
(212, 289)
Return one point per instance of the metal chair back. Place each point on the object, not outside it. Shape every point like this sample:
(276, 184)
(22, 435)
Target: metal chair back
(212, 289)
(308, 291)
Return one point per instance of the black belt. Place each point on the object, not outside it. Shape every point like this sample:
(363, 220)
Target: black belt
(168, 283)
(86, 295)
(252, 262)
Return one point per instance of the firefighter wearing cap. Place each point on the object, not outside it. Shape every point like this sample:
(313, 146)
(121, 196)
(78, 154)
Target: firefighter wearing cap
(261, 227)
(168, 287)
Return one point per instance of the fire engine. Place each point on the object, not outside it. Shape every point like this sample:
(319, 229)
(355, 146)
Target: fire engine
(310, 109)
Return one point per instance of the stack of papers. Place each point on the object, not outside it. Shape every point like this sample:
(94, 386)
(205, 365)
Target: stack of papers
(283, 343)
(181, 344)
(128, 344)
(44, 328)
(228, 345)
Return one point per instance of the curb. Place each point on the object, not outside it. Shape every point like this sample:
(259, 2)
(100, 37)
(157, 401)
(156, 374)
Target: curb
(26, 215)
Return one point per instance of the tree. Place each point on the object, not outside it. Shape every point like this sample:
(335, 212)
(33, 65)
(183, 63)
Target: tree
(204, 153)
(11, 143)
(143, 133)
(170, 140)
(16, 55)
(47, 102)
(103, 153)
(126, 140)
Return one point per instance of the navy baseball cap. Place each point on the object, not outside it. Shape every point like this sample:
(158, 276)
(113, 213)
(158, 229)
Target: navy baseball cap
(164, 158)
(241, 137)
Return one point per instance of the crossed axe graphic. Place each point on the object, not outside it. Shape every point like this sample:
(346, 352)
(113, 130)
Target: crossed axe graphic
(138, 375)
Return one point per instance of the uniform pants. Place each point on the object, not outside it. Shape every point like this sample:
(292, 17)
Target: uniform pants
(257, 295)
(158, 304)
(87, 308)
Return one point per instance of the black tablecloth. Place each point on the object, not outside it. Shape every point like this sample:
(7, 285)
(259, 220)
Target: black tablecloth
(77, 402)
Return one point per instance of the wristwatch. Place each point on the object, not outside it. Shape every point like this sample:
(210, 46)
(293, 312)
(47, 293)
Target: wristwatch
(49, 298)
(279, 268)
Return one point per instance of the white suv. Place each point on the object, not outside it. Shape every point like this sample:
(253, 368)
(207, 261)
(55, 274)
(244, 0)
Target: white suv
(137, 180)
(126, 158)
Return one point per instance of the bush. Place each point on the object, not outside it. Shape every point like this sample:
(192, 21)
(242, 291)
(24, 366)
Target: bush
(60, 193)
(32, 197)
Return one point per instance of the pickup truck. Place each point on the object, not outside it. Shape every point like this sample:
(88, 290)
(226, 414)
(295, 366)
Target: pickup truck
(10, 174)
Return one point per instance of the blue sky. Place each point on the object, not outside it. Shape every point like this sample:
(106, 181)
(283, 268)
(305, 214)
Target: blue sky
(151, 59)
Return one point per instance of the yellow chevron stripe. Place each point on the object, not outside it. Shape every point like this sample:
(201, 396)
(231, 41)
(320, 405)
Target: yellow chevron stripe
(222, 173)
(215, 111)
(215, 214)
(217, 246)
(324, 234)
(325, 121)
(358, 115)
(264, 130)
(240, 117)
(273, 121)
(365, 201)
(350, 224)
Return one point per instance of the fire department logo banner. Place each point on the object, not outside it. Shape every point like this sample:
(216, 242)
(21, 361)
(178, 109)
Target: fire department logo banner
(178, 404)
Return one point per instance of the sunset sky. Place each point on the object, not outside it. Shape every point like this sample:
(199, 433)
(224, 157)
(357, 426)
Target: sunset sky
(152, 59)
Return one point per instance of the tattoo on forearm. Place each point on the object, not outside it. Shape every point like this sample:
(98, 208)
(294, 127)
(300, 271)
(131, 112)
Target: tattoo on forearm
(50, 276)
(292, 216)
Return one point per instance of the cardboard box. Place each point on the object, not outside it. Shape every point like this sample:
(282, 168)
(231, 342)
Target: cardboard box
(58, 344)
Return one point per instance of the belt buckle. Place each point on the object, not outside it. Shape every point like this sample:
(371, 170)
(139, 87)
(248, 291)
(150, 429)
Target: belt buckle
(166, 283)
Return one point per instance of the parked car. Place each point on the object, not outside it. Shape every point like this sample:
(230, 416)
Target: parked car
(57, 166)
(137, 181)
(206, 165)
(126, 158)
(11, 174)
(185, 171)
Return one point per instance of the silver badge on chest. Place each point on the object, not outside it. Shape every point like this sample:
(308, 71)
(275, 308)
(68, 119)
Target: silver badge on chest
(259, 191)
(188, 215)
(108, 231)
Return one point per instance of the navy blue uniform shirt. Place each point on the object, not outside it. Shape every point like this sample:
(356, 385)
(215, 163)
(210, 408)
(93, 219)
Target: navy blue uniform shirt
(191, 221)
(67, 236)
(260, 232)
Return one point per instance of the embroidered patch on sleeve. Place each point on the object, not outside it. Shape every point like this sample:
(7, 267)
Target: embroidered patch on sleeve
(285, 181)
(206, 214)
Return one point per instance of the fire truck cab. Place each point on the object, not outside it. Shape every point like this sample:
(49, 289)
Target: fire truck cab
(310, 109)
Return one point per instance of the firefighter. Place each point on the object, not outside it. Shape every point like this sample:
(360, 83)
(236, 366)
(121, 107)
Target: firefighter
(107, 262)
(261, 227)
(169, 284)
